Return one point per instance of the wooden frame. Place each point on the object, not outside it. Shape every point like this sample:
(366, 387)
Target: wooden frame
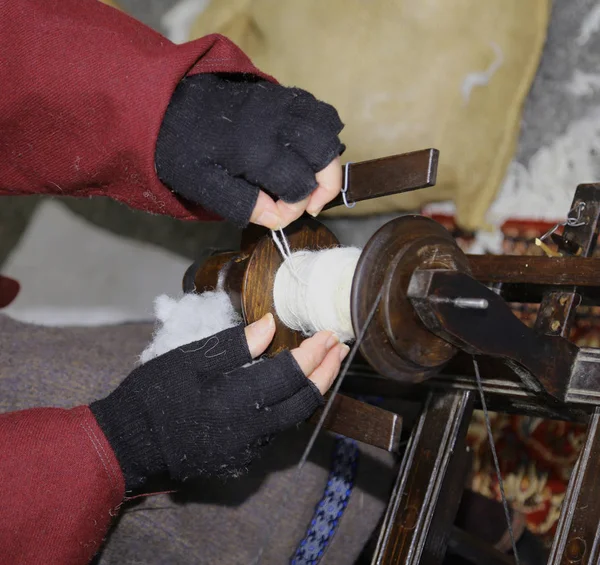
(424, 501)
(545, 375)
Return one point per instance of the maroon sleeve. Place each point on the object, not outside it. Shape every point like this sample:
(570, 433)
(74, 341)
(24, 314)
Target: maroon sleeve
(60, 486)
(84, 91)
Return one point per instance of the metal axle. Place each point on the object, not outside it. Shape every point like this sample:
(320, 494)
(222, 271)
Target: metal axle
(474, 303)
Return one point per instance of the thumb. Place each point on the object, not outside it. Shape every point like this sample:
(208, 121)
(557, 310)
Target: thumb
(259, 334)
(266, 213)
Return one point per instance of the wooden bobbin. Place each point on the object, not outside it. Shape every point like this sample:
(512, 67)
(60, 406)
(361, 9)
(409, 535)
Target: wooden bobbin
(396, 343)
(248, 276)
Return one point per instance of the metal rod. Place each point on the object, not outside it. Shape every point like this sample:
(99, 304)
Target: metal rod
(474, 303)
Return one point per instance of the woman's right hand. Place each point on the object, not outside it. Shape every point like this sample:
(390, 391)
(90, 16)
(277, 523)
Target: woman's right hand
(204, 409)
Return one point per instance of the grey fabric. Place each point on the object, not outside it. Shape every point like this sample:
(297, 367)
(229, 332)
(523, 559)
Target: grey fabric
(149, 12)
(213, 522)
(551, 106)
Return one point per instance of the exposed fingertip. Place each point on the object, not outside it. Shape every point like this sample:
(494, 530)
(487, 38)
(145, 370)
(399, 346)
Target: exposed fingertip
(329, 186)
(269, 220)
(324, 375)
(267, 323)
(344, 350)
(259, 334)
(266, 213)
(331, 341)
(333, 167)
(290, 212)
(323, 337)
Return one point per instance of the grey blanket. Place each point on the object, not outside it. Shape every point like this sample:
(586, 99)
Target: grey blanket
(214, 522)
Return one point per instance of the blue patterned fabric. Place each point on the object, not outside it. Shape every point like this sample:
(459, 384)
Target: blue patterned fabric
(331, 507)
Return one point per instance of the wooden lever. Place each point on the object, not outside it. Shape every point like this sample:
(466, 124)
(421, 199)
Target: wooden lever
(389, 175)
(362, 422)
(492, 330)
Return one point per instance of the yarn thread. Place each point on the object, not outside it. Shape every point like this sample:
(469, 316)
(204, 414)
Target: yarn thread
(281, 243)
(312, 291)
(283, 247)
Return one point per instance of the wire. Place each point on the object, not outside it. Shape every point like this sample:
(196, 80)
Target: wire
(340, 379)
(319, 426)
(496, 463)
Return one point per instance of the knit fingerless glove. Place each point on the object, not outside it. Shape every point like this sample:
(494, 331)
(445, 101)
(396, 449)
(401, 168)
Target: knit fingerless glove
(224, 137)
(196, 411)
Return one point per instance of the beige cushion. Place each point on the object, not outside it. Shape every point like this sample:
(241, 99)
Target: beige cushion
(111, 3)
(396, 71)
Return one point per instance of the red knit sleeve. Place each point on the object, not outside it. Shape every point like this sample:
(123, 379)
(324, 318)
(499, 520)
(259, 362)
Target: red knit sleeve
(60, 486)
(84, 91)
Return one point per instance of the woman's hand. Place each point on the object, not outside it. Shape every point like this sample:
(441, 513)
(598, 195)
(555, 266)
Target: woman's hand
(319, 357)
(275, 214)
(204, 409)
(249, 150)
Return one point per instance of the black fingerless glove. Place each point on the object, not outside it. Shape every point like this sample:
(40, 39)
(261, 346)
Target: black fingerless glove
(223, 137)
(195, 411)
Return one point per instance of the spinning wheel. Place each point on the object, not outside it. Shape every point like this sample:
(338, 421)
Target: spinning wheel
(420, 345)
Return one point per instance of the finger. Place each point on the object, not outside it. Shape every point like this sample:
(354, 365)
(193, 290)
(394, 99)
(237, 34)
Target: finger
(330, 185)
(324, 375)
(287, 175)
(290, 212)
(266, 213)
(260, 334)
(313, 131)
(272, 380)
(312, 351)
(293, 410)
(316, 113)
(315, 137)
(213, 188)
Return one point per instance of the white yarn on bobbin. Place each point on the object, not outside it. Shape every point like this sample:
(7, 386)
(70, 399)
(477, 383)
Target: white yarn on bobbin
(312, 291)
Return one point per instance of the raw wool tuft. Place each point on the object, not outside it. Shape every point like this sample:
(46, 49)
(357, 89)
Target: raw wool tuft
(487, 242)
(590, 25)
(583, 84)
(482, 78)
(312, 291)
(188, 319)
(544, 189)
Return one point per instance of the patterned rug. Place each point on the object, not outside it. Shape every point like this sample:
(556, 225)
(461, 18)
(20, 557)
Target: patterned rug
(536, 455)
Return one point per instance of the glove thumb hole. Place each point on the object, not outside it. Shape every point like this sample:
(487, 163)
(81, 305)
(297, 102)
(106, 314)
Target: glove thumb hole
(260, 334)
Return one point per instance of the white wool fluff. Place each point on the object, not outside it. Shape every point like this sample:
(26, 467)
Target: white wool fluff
(544, 189)
(482, 78)
(188, 319)
(312, 291)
